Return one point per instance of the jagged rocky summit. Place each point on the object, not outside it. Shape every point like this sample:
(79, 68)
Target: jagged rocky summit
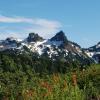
(55, 48)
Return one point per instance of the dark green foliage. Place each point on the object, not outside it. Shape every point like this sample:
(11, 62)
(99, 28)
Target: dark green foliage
(21, 71)
(13, 61)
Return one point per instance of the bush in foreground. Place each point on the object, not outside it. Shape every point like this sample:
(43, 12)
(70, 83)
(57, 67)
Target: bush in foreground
(74, 85)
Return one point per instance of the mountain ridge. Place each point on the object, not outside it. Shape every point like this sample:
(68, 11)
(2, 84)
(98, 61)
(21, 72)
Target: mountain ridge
(56, 47)
(94, 52)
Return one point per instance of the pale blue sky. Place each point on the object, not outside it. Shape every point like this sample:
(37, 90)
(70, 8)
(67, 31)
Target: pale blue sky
(79, 19)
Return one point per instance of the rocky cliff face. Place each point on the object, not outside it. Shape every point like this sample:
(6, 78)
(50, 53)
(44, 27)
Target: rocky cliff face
(34, 37)
(60, 36)
(55, 48)
(94, 52)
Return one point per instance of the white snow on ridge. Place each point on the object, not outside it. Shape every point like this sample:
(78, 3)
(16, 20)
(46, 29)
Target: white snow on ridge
(98, 46)
(90, 54)
(47, 46)
(97, 53)
(40, 46)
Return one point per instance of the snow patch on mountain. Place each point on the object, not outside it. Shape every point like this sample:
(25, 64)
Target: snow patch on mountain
(94, 52)
(57, 46)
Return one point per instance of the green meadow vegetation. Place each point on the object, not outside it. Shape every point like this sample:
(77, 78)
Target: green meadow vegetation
(25, 78)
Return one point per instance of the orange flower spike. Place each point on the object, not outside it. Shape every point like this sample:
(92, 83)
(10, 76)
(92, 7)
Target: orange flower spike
(48, 87)
(65, 83)
(74, 79)
(55, 78)
(44, 84)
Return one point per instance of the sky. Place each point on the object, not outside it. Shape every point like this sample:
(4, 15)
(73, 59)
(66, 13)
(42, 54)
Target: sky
(79, 19)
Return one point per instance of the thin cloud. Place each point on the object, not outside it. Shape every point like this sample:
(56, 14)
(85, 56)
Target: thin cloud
(44, 27)
(35, 21)
(5, 19)
(47, 23)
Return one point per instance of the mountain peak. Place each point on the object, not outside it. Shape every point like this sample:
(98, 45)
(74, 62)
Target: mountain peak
(60, 36)
(11, 38)
(61, 33)
(33, 37)
(98, 43)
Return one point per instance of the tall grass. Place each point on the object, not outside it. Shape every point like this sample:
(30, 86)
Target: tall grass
(77, 85)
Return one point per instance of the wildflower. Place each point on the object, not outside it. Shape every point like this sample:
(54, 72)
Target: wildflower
(74, 79)
(64, 86)
(55, 78)
(48, 87)
(29, 94)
